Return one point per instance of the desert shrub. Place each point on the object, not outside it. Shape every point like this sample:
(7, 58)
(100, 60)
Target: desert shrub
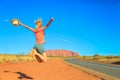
(96, 55)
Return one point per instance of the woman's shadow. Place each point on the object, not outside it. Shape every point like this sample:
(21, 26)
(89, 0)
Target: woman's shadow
(21, 75)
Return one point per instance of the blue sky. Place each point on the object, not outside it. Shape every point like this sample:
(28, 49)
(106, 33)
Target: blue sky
(83, 26)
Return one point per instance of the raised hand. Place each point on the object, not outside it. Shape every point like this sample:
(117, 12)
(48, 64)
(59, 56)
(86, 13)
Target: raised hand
(51, 19)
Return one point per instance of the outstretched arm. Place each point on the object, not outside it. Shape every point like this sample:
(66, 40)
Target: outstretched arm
(51, 19)
(26, 26)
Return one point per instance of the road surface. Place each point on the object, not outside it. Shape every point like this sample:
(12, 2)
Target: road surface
(107, 69)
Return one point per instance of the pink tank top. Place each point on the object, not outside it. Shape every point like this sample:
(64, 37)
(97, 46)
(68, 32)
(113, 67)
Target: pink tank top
(39, 33)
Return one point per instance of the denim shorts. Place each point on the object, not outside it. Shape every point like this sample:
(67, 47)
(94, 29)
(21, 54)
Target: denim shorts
(39, 47)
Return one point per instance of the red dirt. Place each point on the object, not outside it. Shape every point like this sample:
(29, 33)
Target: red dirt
(54, 69)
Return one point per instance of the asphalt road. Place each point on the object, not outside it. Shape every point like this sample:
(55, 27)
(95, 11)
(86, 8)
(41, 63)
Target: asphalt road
(107, 69)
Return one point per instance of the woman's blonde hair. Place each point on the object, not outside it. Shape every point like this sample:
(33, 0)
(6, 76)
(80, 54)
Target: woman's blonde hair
(38, 21)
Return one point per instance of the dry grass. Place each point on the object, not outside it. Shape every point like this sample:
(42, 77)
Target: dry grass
(22, 58)
(102, 59)
(14, 58)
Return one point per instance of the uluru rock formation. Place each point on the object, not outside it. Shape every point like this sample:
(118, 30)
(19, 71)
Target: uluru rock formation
(66, 53)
